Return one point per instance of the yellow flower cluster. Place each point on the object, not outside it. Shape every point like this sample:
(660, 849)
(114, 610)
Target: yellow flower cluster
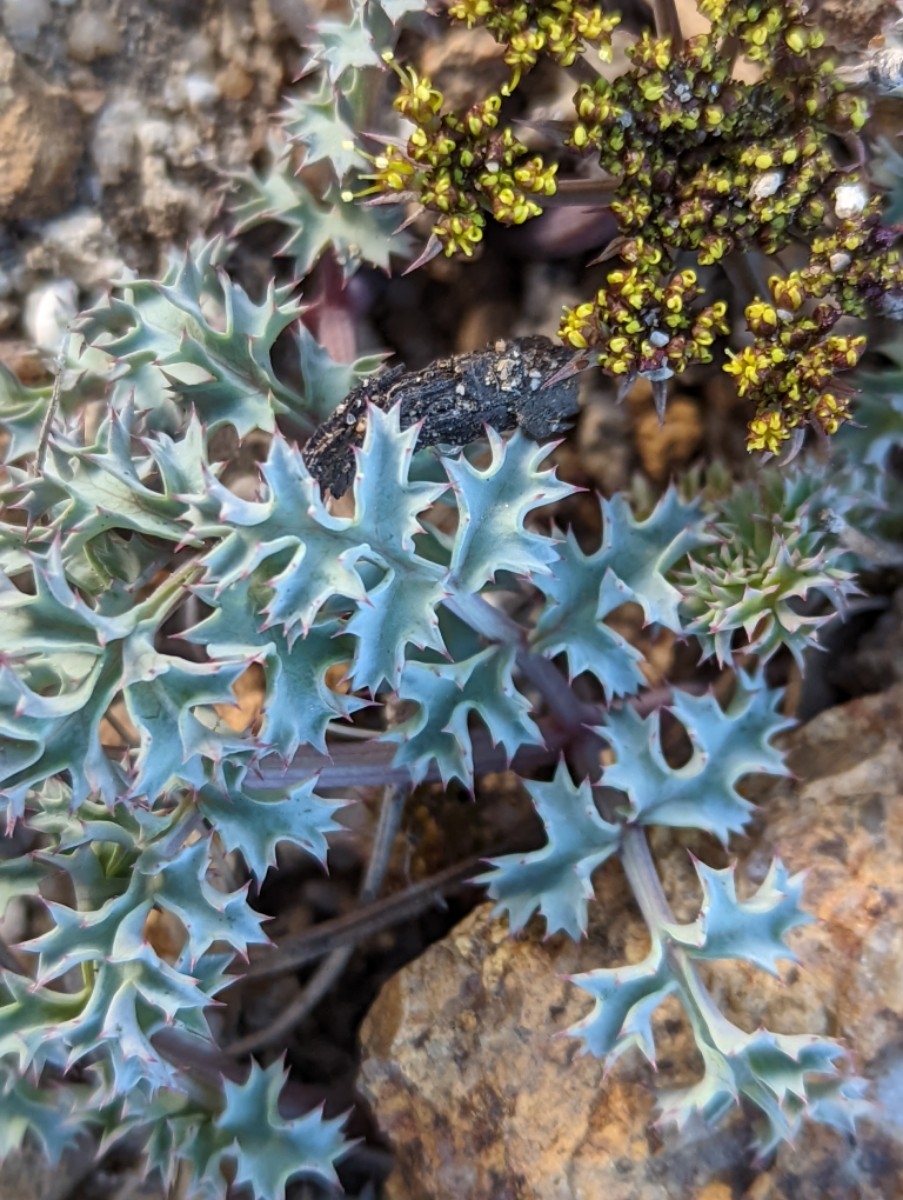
(789, 369)
(705, 165)
(462, 167)
(561, 29)
(642, 323)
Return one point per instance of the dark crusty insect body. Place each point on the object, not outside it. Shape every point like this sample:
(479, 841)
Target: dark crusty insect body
(454, 398)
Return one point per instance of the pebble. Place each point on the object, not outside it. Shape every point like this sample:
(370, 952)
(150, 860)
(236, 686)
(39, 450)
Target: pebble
(79, 246)
(48, 311)
(24, 19)
(93, 35)
(113, 144)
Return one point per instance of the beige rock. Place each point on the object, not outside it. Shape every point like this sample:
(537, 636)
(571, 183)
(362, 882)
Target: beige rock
(40, 142)
(482, 1097)
(666, 446)
(94, 34)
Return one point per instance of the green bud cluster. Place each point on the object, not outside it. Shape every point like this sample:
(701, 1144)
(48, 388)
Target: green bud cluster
(462, 167)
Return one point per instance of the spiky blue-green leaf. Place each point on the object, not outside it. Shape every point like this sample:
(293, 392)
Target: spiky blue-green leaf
(727, 744)
(572, 622)
(322, 122)
(354, 232)
(752, 929)
(345, 46)
(267, 1149)
(625, 999)
(774, 1072)
(298, 704)
(493, 504)
(291, 518)
(38, 733)
(173, 353)
(396, 10)
(325, 382)
(19, 876)
(104, 489)
(162, 693)
(207, 914)
(446, 694)
(22, 412)
(630, 564)
(556, 880)
(770, 547)
(401, 608)
(369, 559)
(54, 1114)
(256, 820)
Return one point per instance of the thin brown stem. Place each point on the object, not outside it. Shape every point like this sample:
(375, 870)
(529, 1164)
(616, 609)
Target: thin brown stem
(581, 193)
(363, 923)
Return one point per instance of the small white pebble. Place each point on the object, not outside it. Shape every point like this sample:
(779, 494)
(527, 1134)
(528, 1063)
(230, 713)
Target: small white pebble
(849, 200)
(48, 310)
(200, 91)
(659, 338)
(766, 184)
(23, 19)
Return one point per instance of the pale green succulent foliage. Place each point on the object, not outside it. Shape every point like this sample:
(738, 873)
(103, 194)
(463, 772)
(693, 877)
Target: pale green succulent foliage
(769, 548)
(129, 525)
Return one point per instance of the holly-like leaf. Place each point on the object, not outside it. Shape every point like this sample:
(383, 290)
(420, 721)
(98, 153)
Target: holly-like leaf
(354, 232)
(630, 564)
(773, 1071)
(322, 122)
(293, 517)
(268, 1150)
(727, 745)
(369, 560)
(446, 693)
(256, 820)
(173, 354)
(573, 621)
(162, 694)
(327, 382)
(298, 704)
(104, 489)
(556, 879)
(22, 413)
(54, 1115)
(625, 999)
(345, 46)
(401, 608)
(752, 929)
(493, 504)
(208, 915)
